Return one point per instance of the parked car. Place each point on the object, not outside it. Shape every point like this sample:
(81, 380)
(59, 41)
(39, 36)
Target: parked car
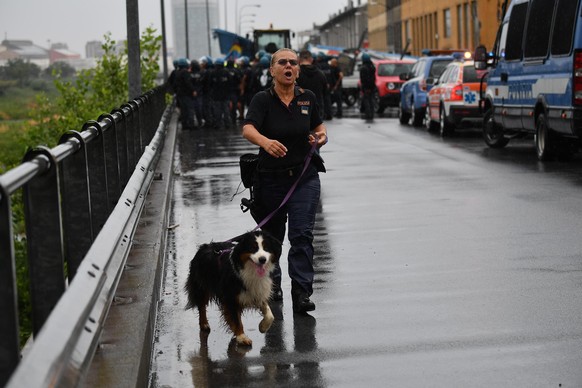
(534, 85)
(388, 80)
(454, 98)
(351, 88)
(418, 83)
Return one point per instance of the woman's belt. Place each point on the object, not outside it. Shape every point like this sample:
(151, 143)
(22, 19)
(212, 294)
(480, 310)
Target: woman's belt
(282, 172)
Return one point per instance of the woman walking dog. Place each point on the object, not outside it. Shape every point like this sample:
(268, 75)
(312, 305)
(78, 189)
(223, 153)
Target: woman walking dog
(285, 123)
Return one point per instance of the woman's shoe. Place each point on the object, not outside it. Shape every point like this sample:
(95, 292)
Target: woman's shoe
(302, 303)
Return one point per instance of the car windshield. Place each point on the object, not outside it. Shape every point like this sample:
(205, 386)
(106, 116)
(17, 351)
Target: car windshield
(437, 68)
(394, 69)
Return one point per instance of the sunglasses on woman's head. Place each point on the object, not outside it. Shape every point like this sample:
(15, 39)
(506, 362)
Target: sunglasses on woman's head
(283, 62)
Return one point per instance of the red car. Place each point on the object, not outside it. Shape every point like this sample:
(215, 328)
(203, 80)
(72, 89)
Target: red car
(388, 80)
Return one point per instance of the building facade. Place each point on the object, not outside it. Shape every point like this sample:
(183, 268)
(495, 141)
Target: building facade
(347, 28)
(25, 50)
(418, 25)
(201, 18)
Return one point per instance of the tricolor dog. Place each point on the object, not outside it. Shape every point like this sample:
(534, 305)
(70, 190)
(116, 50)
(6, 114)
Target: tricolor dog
(236, 276)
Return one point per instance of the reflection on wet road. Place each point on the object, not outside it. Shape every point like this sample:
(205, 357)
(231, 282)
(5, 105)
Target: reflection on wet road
(438, 263)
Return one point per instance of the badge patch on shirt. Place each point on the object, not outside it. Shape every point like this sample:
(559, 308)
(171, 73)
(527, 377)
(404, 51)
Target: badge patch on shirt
(304, 110)
(300, 103)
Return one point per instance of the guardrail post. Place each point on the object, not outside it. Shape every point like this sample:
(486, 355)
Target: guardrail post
(78, 229)
(9, 340)
(137, 126)
(44, 236)
(132, 137)
(111, 160)
(100, 205)
(122, 147)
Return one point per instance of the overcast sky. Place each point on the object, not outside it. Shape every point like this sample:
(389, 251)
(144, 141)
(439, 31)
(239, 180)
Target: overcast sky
(76, 22)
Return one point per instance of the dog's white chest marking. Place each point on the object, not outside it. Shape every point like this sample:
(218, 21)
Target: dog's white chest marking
(258, 287)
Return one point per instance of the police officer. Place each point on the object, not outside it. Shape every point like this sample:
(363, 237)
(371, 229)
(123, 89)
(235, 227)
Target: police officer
(368, 85)
(195, 73)
(235, 87)
(326, 69)
(247, 73)
(171, 83)
(336, 86)
(312, 78)
(185, 94)
(220, 90)
(262, 78)
(206, 72)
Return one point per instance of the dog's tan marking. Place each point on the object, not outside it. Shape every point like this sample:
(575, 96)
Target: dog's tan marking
(242, 339)
(268, 318)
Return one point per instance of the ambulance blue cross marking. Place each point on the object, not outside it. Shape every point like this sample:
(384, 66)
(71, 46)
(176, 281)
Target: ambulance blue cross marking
(470, 98)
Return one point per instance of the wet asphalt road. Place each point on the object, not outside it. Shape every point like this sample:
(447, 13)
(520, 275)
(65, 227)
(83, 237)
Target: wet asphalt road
(439, 263)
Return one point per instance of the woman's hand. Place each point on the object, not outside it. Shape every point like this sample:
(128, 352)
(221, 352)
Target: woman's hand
(319, 136)
(274, 148)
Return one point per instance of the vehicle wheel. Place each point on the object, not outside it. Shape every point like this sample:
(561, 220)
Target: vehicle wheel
(545, 143)
(446, 127)
(417, 117)
(431, 126)
(403, 116)
(350, 99)
(493, 133)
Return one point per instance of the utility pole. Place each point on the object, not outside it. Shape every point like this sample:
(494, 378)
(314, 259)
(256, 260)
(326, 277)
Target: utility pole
(208, 29)
(164, 47)
(186, 28)
(133, 62)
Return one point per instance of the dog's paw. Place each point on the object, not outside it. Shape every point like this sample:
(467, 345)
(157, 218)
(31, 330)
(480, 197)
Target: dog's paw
(266, 323)
(242, 339)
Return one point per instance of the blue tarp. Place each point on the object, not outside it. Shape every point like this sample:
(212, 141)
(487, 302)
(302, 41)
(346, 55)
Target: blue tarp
(233, 45)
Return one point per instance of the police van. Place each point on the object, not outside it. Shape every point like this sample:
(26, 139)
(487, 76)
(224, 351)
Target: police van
(534, 85)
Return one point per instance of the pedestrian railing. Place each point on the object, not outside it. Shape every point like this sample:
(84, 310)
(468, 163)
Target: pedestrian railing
(82, 200)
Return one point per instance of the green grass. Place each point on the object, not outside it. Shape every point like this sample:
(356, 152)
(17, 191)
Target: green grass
(16, 105)
(11, 148)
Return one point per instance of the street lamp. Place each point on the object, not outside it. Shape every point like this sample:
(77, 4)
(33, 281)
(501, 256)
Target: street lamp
(245, 22)
(252, 15)
(239, 12)
(356, 38)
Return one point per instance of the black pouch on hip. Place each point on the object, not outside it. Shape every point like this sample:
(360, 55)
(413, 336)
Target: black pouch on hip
(248, 168)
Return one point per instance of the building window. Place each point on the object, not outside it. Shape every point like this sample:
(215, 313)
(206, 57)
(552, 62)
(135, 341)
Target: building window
(447, 15)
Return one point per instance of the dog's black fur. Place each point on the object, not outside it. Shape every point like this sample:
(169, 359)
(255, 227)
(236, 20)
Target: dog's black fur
(236, 276)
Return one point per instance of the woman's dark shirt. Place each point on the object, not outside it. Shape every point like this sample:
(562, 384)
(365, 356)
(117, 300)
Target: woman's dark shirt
(289, 125)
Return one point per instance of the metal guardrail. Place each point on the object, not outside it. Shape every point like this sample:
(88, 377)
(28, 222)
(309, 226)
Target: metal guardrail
(82, 200)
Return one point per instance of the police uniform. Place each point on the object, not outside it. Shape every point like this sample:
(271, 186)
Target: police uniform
(290, 125)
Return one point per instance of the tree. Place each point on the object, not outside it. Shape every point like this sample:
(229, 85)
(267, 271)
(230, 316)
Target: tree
(95, 91)
(20, 71)
(60, 68)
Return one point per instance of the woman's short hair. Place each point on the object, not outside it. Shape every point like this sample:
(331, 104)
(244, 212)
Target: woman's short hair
(281, 50)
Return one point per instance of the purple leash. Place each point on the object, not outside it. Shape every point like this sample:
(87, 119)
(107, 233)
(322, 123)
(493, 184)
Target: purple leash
(289, 193)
